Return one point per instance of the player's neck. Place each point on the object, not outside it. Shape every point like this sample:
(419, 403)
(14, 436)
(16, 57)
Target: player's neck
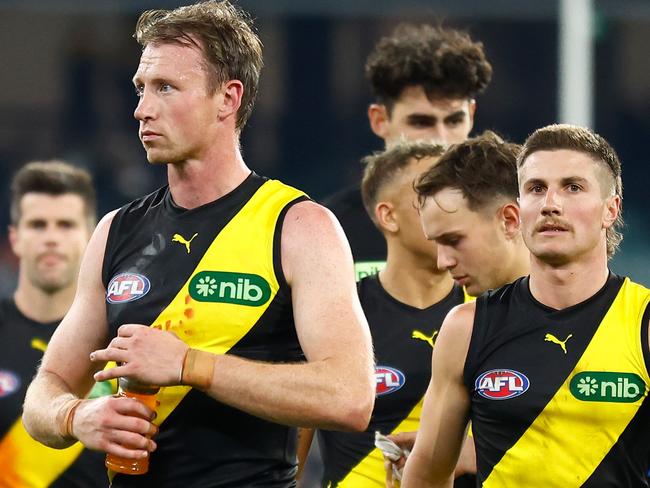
(519, 264)
(37, 305)
(410, 281)
(562, 286)
(199, 181)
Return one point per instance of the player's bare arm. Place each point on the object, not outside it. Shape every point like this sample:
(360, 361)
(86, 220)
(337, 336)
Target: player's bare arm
(445, 413)
(406, 440)
(305, 439)
(334, 389)
(103, 423)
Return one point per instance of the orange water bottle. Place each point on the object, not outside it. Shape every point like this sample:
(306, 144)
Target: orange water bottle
(147, 395)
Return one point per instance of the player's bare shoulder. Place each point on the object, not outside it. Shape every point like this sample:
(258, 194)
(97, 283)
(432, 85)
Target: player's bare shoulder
(460, 319)
(456, 332)
(312, 237)
(308, 219)
(97, 243)
(104, 226)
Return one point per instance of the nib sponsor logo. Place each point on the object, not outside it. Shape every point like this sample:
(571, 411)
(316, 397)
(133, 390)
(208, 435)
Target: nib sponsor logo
(126, 287)
(388, 380)
(605, 386)
(501, 384)
(236, 288)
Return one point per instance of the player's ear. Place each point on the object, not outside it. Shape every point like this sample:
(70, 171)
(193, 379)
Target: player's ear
(13, 240)
(612, 209)
(230, 103)
(378, 117)
(385, 217)
(510, 219)
(472, 111)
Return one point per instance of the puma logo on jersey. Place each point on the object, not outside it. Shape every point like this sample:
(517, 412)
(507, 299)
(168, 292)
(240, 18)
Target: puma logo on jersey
(555, 340)
(423, 337)
(38, 344)
(179, 238)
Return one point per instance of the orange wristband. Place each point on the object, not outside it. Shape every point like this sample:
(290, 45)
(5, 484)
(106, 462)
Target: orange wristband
(65, 418)
(198, 368)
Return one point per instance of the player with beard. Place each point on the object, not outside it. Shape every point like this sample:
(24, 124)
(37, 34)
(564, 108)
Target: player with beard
(53, 213)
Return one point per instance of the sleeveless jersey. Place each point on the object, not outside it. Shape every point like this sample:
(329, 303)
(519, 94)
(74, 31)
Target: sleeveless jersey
(559, 397)
(211, 275)
(367, 244)
(403, 338)
(24, 462)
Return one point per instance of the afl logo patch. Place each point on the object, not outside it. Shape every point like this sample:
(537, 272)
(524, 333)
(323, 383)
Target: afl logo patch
(127, 287)
(9, 383)
(388, 380)
(501, 384)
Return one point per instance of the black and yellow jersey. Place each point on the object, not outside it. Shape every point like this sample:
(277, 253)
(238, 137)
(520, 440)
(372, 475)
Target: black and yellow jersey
(559, 397)
(24, 462)
(367, 244)
(403, 338)
(211, 275)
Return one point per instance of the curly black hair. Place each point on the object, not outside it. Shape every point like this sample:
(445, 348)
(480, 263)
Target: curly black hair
(445, 62)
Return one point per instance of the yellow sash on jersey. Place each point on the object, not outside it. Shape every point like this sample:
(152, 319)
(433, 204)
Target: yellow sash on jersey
(26, 463)
(370, 472)
(245, 245)
(561, 448)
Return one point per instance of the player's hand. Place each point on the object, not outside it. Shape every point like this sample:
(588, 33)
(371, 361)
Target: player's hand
(405, 440)
(116, 425)
(147, 355)
(388, 468)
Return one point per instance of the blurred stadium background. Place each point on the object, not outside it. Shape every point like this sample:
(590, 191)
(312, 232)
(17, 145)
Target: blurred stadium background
(65, 89)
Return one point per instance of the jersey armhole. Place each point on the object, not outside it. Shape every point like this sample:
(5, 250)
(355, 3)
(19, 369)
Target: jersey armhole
(470, 360)
(110, 241)
(277, 245)
(645, 346)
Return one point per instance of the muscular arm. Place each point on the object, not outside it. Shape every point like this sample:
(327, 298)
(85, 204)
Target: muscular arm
(334, 389)
(66, 373)
(446, 407)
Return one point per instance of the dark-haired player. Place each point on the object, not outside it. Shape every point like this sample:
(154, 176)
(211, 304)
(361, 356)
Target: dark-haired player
(424, 80)
(53, 213)
(469, 210)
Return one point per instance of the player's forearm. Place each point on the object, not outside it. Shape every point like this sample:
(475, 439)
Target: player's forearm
(318, 394)
(419, 472)
(46, 410)
(467, 460)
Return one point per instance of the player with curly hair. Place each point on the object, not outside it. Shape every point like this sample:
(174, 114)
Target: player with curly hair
(424, 80)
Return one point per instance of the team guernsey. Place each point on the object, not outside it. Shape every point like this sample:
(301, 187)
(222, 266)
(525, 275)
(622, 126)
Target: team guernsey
(212, 276)
(24, 462)
(403, 338)
(559, 397)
